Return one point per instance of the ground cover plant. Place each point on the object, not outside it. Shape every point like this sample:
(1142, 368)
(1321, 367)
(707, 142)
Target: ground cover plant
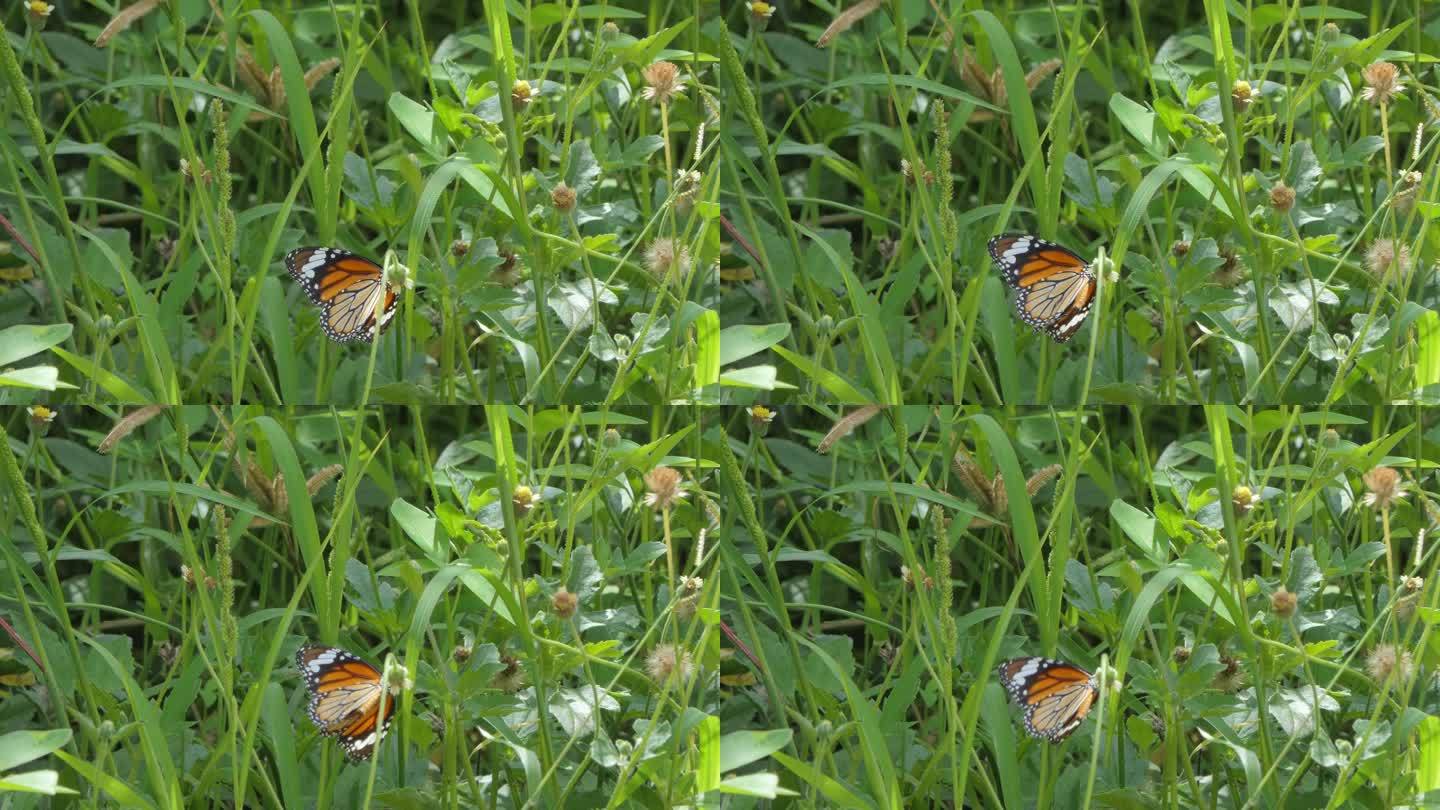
(540, 583)
(1253, 590)
(1255, 184)
(721, 607)
(537, 184)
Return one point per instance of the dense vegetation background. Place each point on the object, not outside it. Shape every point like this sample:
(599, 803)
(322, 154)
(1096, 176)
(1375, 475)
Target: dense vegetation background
(803, 611)
(624, 587)
(1258, 178)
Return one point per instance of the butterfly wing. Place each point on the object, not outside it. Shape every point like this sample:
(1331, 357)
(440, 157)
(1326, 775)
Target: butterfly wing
(1056, 696)
(1054, 286)
(345, 698)
(354, 300)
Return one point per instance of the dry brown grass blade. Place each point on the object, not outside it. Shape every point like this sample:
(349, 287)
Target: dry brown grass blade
(848, 424)
(847, 18)
(126, 426)
(126, 18)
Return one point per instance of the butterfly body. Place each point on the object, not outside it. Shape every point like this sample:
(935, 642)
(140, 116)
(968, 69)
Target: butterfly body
(345, 696)
(1055, 695)
(354, 299)
(1054, 287)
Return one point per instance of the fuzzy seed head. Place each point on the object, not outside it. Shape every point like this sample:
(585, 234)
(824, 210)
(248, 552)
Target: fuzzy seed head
(1387, 661)
(1382, 83)
(511, 678)
(1384, 488)
(1282, 603)
(1282, 197)
(563, 198)
(662, 83)
(664, 486)
(564, 603)
(667, 661)
(664, 256)
(1384, 254)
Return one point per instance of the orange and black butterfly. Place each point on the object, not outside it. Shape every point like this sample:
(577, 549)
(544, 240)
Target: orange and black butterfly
(1054, 287)
(1056, 696)
(354, 299)
(345, 698)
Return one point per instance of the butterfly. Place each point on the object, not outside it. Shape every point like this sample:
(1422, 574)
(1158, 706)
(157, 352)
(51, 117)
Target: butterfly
(355, 301)
(1054, 287)
(345, 698)
(1056, 695)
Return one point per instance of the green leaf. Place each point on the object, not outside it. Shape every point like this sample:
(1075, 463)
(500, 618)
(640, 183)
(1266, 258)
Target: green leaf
(417, 120)
(46, 783)
(1139, 527)
(419, 526)
(18, 342)
(707, 348)
(43, 378)
(740, 748)
(760, 785)
(739, 342)
(20, 747)
(1137, 120)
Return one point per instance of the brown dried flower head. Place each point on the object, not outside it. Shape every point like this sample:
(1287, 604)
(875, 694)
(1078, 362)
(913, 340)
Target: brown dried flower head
(1282, 197)
(1386, 661)
(511, 678)
(664, 486)
(564, 603)
(662, 83)
(1283, 603)
(563, 198)
(1230, 272)
(1384, 254)
(667, 661)
(1382, 83)
(1384, 487)
(664, 256)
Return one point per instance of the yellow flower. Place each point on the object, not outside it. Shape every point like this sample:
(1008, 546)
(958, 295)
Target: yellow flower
(38, 8)
(761, 10)
(760, 415)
